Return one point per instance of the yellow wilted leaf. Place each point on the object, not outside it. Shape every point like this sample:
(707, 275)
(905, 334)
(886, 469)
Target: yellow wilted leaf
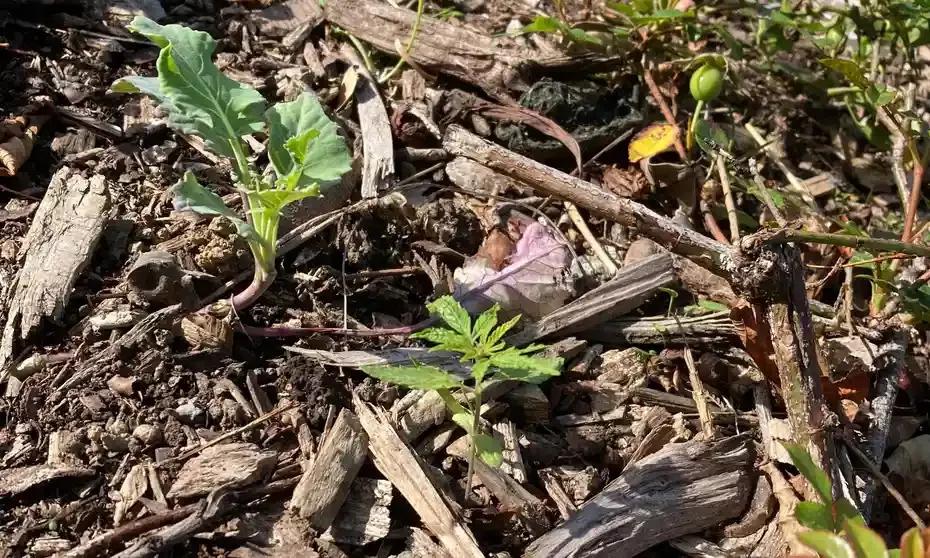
(652, 139)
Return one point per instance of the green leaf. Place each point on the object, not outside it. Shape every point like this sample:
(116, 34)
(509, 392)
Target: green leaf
(464, 419)
(862, 259)
(460, 415)
(271, 202)
(845, 511)
(850, 70)
(420, 376)
(814, 474)
(879, 95)
(490, 450)
(445, 339)
(485, 322)
(189, 195)
(544, 24)
(139, 84)
(710, 138)
(515, 366)
(452, 313)
(912, 544)
(198, 98)
(298, 145)
(304, 144)
(479, 370)
(662, 16)
(713, 306)
(814, 515)
(827, 544)
(866, 542)
(502, 330)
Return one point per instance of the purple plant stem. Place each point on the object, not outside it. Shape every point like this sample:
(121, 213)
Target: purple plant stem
(248, 296)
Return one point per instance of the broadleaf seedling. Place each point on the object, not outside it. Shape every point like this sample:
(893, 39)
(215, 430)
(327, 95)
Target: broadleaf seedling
(304, 147)
(480, 344)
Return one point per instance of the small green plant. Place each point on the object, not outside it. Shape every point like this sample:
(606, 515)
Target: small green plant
(621, 22)
(480, 344)
(705, 85)
(837, 529)
(304, 147)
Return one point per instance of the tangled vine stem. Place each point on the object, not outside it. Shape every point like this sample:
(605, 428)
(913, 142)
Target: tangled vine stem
(879, 244)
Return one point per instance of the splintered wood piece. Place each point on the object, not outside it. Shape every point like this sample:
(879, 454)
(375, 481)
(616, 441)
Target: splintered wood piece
(659, 330)
(377, 142)
(627, 290)
(556, 491)
(16, 480)
(366, 515)
(401, 466)
(477, 58)
(59, 245)
(420, 545)
(513, 458)
(679, 490)
(427, 410)
(226, 465)
(323, 488)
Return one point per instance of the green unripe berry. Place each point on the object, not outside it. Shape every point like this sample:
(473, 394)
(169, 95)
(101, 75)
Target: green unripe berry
(706, 83)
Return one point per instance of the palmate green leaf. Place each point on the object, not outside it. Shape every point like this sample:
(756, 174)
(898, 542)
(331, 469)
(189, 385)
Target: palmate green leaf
(490, 449)
(814, 474)
(189, 195)
(484, 323)
(445, 339)
(420, 376)
(304, 144)
(866, 542)
(826, 544)
(198, 98)
(501, 330)
(516, 366)
(452, 313)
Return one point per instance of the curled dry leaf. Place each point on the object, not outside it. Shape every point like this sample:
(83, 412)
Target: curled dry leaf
(17, 137)
(121, 385)
(626, 183)
(534, 280)
(652, 140)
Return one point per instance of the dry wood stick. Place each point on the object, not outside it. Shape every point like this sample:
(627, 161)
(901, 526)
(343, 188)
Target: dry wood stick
(377, 142)
(886, 388)
(104, 542)
(401, 466)
(679, 490)
(678, 239)
(324, 487)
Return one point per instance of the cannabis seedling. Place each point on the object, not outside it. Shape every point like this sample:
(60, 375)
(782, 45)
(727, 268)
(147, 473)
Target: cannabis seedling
(304, 147)
(480, 345)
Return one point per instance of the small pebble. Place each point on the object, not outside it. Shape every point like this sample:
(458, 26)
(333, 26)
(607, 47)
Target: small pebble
(148, 434)
(189, 414)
